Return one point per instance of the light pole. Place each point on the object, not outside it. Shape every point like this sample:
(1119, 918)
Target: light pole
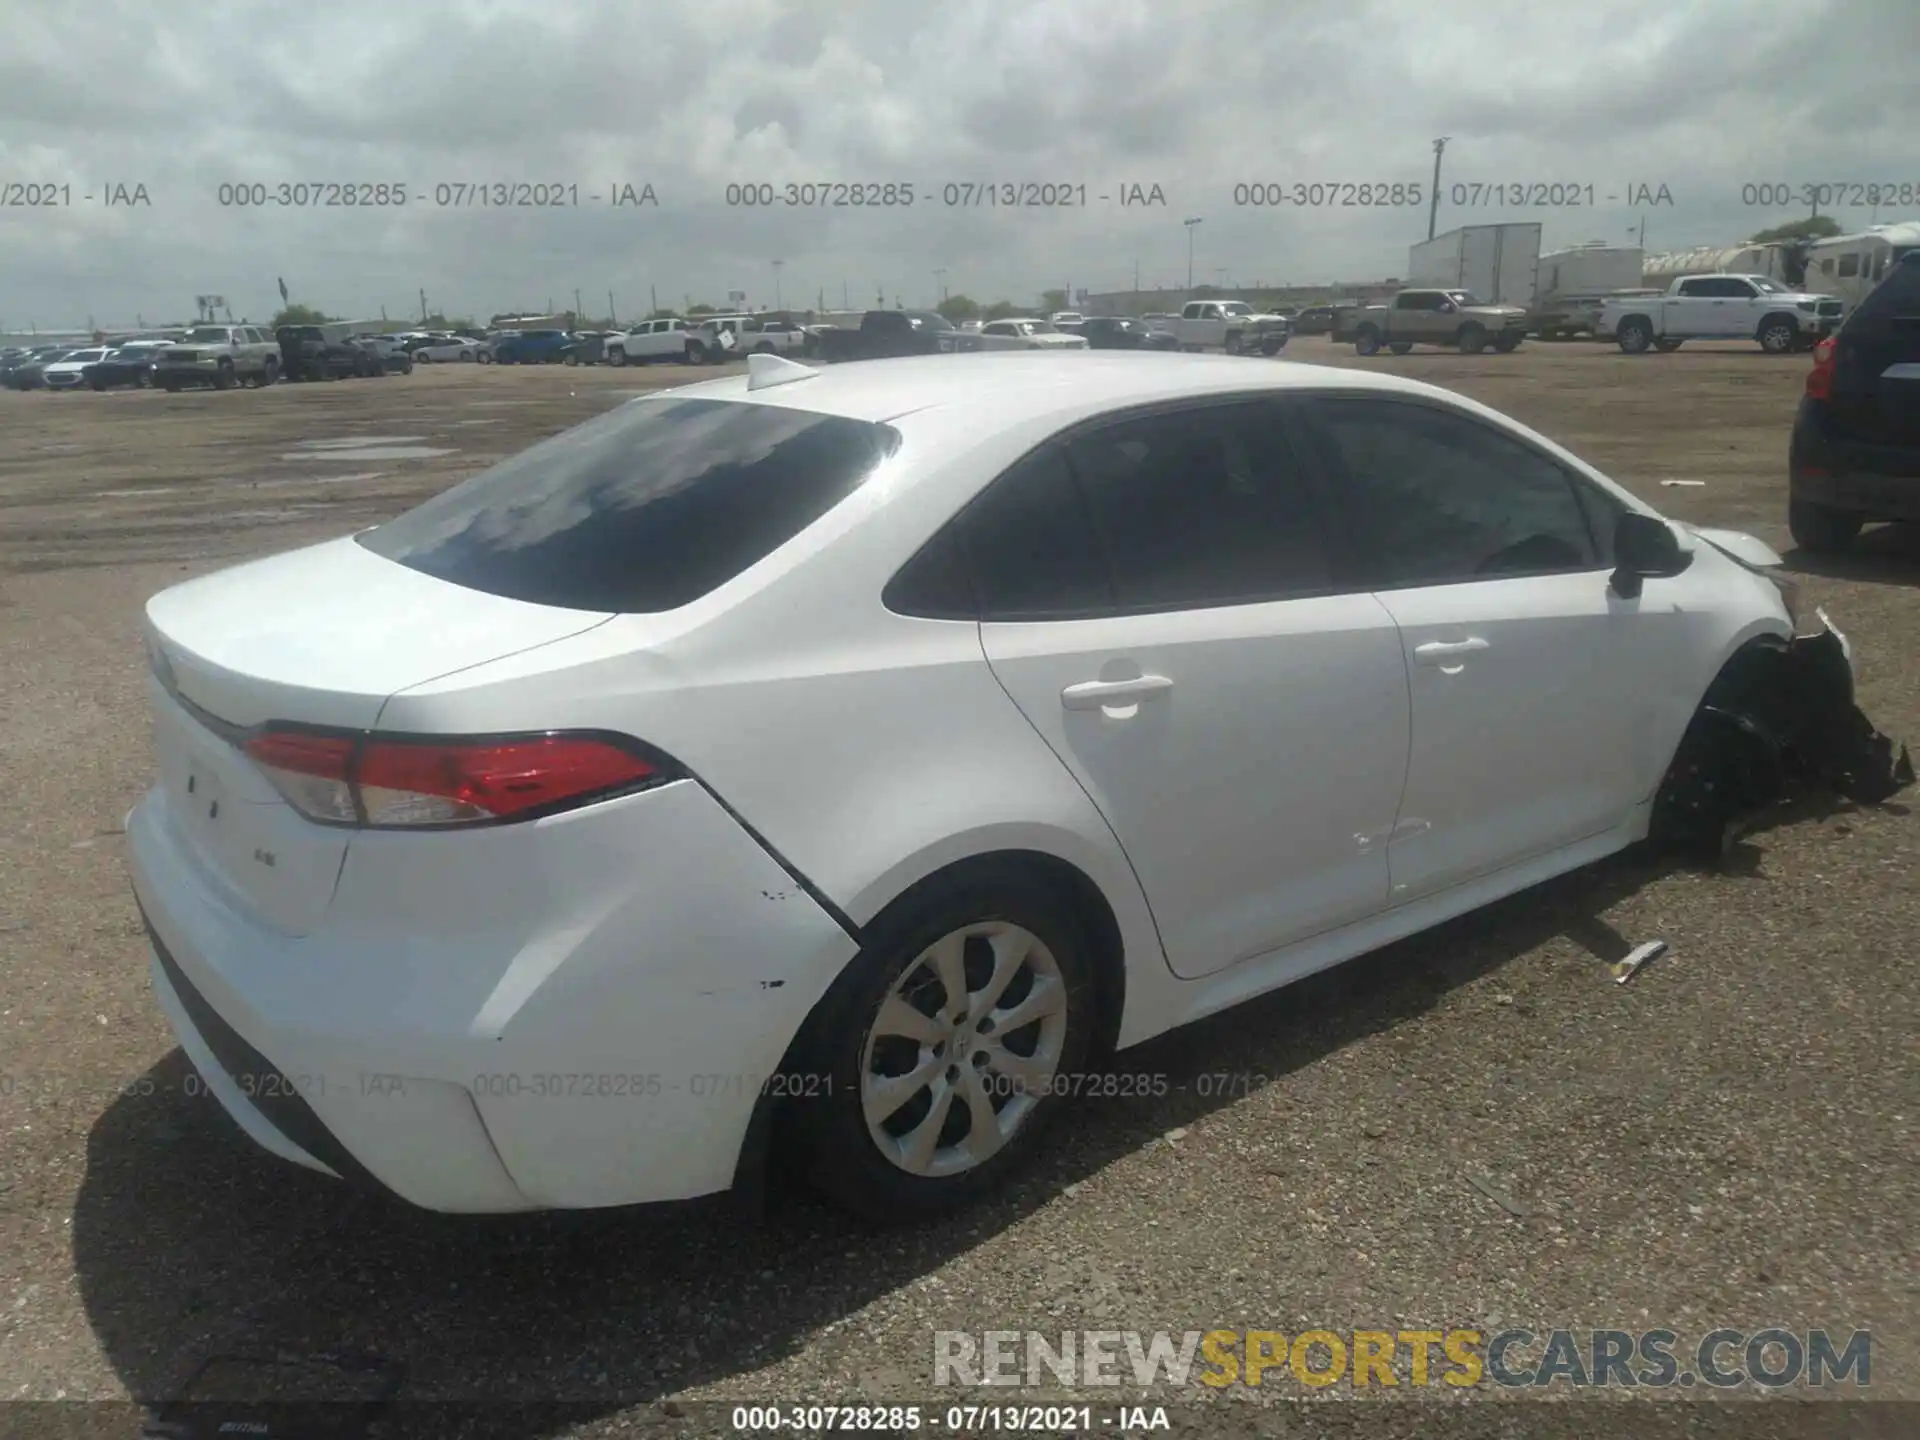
(1190, 222)
(1433, 212)
(776, 285)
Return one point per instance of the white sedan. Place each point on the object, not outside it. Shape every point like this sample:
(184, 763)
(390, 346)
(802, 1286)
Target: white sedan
(442, 348)
(856, 756)
(1027, 335)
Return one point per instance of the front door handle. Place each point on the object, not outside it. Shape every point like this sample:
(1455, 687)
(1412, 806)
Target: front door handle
(1096, 694)
(1441, 651)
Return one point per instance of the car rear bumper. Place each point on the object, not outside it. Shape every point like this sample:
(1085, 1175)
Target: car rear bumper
(583, 1013)
(1880, 481)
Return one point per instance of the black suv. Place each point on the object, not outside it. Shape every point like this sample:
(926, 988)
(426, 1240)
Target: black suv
(1855, 454)
(319, 352)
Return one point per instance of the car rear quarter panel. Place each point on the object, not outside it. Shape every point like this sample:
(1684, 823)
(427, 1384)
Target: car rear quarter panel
(869, 750)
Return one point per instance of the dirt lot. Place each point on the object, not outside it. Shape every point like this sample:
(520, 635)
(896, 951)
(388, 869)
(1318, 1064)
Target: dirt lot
(1729, 1140)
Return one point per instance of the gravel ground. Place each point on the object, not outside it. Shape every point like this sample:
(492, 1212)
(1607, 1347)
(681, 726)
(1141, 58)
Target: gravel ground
(1728, 1140)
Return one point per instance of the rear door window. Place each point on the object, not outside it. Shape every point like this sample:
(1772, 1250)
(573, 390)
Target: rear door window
(645, 509)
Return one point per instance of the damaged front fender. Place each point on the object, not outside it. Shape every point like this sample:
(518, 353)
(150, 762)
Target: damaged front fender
(1780, 709)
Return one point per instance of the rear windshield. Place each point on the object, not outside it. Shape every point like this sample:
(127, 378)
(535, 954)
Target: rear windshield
(644, 509)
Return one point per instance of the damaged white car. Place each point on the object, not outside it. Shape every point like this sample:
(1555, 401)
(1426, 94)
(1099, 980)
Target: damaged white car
(851, 758)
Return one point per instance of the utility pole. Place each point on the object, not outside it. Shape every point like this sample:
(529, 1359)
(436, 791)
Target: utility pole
(423, 307)
(940, 284)
(576, 308)
(1136, 277)
(1433, 212)
(846, 301)
(612, 319)
(1190, 222)
(654, 296)
(777, 299)
(1643, 232)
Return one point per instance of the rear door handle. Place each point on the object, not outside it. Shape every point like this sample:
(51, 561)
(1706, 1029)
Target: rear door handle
(1094, 694)
(1439, 652)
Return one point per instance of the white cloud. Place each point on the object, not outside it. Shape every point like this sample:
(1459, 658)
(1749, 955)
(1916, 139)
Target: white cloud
(691, 96)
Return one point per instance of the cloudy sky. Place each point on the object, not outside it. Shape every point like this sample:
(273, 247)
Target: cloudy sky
(690, 96)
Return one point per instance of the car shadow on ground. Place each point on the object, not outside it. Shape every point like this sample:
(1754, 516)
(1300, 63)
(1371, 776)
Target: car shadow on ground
(1882, 555)
(189, 1242)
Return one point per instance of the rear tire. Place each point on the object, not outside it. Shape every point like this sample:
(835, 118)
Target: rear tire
(1401, 347)
(1635, 335)
(1821, 528)
(1366, 341)
(891, 1014)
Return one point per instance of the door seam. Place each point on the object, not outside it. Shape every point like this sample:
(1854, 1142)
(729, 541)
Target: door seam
(980, 638)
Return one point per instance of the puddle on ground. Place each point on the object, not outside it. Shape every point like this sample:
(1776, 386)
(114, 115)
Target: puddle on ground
(371, 452)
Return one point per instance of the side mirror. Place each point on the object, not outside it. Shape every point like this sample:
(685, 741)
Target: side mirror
(1645, 547)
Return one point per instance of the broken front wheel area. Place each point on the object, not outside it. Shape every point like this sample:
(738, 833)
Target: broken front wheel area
(1781, 711)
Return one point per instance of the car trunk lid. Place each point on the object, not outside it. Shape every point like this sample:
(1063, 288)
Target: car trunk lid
(321, 637)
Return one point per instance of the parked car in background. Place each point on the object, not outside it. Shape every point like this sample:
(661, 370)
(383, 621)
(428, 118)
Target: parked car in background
(323, 352)
(28, 371)
(1105, 715)
(69, 371)
(129, 366)
(1059, 319)
(221, 356)
(1123, 332)
(1855, 453)
(528, 347)
(889, 334)
(1723, 307)
(773, 337)
(1027, 333)
(647, 342)
(1451, 318)
(588, 347)
(448, 348)
(712, 342)
(1232, 326)
(390, 350)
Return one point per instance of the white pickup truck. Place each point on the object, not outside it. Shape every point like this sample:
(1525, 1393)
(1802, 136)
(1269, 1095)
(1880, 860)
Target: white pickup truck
(1721, 307)
(1230, 325)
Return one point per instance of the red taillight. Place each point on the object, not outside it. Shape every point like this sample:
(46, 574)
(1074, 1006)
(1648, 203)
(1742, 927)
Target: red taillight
(1820, 378)
(382, 782)
(412, 782)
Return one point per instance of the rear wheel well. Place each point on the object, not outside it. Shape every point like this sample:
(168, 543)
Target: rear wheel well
(1105, 946)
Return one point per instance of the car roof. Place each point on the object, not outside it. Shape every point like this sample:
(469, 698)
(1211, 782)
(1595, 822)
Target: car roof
(1019, 386)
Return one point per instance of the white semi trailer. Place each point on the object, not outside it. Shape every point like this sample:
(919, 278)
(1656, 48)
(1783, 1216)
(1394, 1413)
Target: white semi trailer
(1500, 264)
